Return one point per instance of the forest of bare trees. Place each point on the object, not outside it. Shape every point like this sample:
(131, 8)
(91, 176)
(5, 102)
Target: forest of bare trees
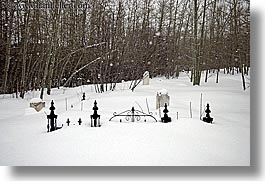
(108, 41)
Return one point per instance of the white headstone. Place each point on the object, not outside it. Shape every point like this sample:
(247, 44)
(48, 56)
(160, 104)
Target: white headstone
(162, 97)
(123, 84)
(146, 78)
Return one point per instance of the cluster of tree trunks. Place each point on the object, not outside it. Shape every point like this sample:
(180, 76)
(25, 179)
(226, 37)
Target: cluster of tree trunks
(108, 41)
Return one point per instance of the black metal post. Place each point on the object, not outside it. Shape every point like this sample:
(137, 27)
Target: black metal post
(84, 96)
(52, 125)
(208, 118)
(95, 118)
(166, 118)
(133, 114)
(79, 121)
(68, 122)
(48, 127)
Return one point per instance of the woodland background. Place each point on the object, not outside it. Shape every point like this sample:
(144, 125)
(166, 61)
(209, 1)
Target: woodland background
(114, 40)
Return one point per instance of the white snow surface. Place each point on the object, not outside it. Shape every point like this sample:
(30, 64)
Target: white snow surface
(35, 100)
(163, 92)
(186, 141)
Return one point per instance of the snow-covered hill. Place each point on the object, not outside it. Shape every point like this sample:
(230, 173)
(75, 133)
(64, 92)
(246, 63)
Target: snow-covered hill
(186, 141)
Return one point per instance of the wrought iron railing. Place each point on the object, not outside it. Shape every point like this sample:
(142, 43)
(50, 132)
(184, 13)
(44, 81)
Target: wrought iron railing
(133, 115)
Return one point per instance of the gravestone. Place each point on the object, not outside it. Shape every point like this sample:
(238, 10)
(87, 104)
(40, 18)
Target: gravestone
(162, 98)
(146, 78)
(123, 84)
(37, 104)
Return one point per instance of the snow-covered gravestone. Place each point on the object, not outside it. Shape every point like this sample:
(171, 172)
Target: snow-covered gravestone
(123, 84)
(37, 104)
(146, 78)
(162, 97)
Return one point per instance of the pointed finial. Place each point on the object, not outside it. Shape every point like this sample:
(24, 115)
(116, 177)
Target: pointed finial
(165, 110)
(95, 108)
(52, 108)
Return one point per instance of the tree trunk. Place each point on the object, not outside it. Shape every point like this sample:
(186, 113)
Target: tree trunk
(9, 23)
(196, 67)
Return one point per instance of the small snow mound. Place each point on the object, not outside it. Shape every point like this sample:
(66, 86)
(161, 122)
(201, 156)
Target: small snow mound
(158, 34)
(30, 110)
(163, 92)
(35, 100)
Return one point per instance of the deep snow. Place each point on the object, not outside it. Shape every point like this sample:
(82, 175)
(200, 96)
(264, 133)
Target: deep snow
(186, 141)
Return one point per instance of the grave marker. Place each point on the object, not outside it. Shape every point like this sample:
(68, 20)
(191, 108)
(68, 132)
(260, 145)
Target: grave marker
(37, 104)
(162, 98)
(146, 78)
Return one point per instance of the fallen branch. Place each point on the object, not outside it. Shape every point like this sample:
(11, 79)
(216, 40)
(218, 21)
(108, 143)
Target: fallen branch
(83, 48)
(136, 84)
(99, 58)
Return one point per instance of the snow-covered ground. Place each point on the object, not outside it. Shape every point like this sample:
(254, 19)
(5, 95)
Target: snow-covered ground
(184, 142)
